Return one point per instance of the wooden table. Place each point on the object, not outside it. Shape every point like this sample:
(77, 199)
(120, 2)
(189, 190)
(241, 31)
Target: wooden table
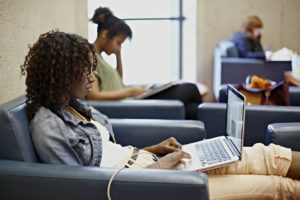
(291, 79)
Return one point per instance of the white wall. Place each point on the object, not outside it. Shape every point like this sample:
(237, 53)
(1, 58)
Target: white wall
(218, 19)
(21, 22)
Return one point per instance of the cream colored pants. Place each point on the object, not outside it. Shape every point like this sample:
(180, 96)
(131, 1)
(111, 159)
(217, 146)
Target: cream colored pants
(260, 175)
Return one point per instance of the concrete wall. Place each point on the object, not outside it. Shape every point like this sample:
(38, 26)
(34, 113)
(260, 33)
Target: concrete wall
(218, 19)
(21, 22)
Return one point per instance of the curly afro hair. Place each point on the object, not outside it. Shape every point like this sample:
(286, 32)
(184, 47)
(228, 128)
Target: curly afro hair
(53, 65)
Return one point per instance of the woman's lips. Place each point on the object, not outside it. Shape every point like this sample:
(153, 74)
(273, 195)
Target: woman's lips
(88, 87)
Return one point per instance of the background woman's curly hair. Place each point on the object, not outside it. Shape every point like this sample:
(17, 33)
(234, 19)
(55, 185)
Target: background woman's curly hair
(54, 64)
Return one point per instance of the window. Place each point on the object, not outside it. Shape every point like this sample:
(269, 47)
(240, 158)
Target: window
(156, 51)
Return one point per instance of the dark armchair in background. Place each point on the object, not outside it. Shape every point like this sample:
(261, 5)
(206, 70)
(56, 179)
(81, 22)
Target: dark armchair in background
(22, 176)
(293, 91)
(257, 119)
(229, 68)
(285, 134)
(141, 109)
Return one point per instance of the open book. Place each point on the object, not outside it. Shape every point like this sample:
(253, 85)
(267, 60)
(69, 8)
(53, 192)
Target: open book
(156, 88)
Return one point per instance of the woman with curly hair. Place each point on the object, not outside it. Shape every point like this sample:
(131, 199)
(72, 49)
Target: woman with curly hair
(64, 131)
(54, 65)
(108, 85)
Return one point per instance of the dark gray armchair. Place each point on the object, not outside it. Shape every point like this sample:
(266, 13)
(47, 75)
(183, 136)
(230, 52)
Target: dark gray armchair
(228, 68)
(141, 109)
(257, 119)
(294, 93)
(22, 176)
(285, 134)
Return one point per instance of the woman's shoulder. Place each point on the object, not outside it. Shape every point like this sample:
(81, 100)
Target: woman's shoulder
(239, 36)
(103, 67)
(43, 115)
(101, 62)
(45, 124)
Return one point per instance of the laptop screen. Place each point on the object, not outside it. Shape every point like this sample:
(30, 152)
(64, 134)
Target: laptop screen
(235, 116)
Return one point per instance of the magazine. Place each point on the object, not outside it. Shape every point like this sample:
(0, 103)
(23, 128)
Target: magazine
(156, 88)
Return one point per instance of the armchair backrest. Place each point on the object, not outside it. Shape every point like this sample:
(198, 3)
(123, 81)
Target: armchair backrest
(228, 49)
(293, 91)
(15, 139)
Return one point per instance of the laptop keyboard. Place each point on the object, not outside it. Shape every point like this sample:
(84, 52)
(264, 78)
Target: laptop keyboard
(211, 152)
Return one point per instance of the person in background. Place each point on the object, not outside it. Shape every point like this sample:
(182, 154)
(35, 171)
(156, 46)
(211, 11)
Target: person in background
(108, 85)
(247, 40)
(58, 69)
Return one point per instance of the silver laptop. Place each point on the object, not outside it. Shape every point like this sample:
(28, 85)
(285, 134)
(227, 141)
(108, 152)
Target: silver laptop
(223, 150)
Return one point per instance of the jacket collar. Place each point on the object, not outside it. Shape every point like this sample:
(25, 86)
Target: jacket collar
(78, 106)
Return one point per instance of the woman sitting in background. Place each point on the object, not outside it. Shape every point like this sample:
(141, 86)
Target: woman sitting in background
(247, 41)
(58, 71)
(108, 85)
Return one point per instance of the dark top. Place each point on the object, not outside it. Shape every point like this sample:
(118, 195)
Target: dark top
(247, 48)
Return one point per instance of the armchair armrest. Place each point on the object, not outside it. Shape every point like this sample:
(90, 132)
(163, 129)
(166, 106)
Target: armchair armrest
(285, 134)
(213, 115)
(21, 180)
(144, 109)
(294, 95)
(146, 132)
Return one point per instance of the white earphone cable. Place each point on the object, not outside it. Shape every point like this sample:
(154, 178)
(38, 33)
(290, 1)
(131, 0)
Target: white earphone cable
(116, 172)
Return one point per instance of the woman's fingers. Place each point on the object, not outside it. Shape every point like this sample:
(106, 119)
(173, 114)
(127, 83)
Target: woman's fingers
(180, 155)
(177, 156)
(172, 160)
(173, 142)
(185, 155)
(171, 149)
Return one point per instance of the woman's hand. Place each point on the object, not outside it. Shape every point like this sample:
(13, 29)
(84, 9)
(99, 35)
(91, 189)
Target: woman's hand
(136, 90)
(168, 146)
(117, 52)
(170, 161)
(268, 55)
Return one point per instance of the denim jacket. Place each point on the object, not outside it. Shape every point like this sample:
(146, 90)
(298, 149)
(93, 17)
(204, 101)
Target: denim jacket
(63, 139)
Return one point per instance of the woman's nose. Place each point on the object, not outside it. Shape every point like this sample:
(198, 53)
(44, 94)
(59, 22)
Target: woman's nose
(91, 77)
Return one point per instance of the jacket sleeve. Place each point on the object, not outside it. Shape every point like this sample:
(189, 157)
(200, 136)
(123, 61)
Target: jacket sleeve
(51, 143)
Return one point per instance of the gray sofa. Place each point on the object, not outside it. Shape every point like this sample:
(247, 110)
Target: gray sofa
(22, 176)
(229, 68)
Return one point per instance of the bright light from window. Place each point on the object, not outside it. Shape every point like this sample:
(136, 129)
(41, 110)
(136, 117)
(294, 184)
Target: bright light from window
(152, 54)
(189, 40)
